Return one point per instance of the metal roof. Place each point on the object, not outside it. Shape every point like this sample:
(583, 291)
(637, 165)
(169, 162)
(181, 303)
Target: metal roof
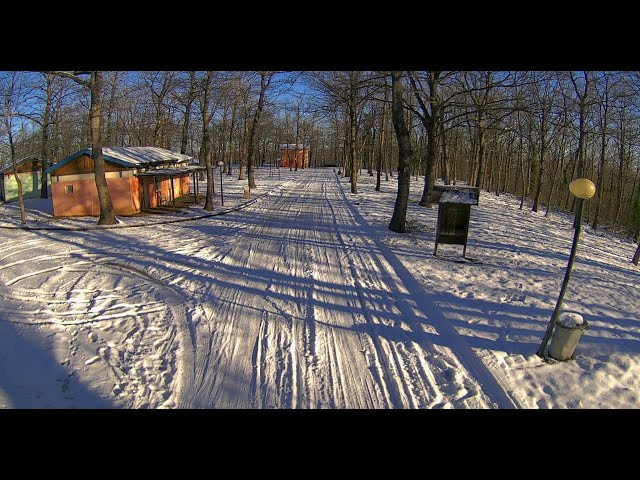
(130, 157)
(170, 172)
(19, 162)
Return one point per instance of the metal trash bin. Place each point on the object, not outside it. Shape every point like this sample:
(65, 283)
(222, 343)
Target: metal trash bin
(565, 339)
(454, 210)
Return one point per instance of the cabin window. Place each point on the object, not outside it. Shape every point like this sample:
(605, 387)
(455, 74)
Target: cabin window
(68, 189)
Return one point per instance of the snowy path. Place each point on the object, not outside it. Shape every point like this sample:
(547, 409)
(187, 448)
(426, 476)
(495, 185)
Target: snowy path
(303, 310)
(304, 299)
(289, 303)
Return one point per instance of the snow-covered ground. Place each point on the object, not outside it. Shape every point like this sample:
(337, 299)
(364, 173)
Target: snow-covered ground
(304, 299)
(501, 303)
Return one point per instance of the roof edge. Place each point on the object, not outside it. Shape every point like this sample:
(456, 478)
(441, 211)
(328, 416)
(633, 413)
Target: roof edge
(64, 161)
(20, 162)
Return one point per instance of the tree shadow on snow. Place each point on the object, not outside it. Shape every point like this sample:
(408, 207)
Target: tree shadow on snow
(31, 377)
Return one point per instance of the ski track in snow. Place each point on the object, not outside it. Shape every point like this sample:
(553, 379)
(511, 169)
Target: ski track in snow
(290, 303)
(304, 299)
(304, 311)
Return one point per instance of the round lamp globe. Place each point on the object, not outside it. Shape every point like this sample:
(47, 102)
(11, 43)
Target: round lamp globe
(582, 188)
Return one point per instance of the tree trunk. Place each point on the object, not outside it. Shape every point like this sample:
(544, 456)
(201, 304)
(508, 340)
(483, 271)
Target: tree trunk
(44, 141)
(7, 120)
(18, 181)
(480, 159)
(553, 187)
(429, 177)
(206, 141)
(636, 256)
(446, 179)
(265, 80)
(233, 122)
(540, 166)
(107, 216)
(110, 108)
(430, 119)
(243, 148)
(405, 155)
(371, 148)
(454, 163)
(353, 167)
(187, 113)
(381, 150)
(598, 199)
(581, 130)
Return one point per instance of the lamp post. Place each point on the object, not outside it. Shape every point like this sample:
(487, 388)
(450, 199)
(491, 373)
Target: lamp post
(583, 189)
(221, 164)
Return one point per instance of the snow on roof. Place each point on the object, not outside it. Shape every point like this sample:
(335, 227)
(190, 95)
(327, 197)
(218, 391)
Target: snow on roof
(131, 156)
(167, 172)
(293, 146)
(468, 197)
(144, 155)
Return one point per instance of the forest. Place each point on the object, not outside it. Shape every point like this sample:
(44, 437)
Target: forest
(527, 133)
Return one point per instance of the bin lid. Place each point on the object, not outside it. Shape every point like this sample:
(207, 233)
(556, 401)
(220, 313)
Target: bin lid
(572, 320)
(461, 194)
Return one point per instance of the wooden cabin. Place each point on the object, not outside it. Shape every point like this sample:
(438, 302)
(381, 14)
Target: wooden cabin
(29, 172)
(137, 177)
(294, 155)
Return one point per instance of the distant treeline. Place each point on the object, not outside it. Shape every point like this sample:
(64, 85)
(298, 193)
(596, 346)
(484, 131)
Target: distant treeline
(526, 133)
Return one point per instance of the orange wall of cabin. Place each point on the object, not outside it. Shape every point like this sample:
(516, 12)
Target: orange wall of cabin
(125, 195)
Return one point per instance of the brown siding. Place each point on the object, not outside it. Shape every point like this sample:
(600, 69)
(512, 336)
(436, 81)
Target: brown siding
(84, 199)
(134, 188)
(149, 191)
(84, 164)
(165, 187)
(184, 184)
(150, 200)
(291, 158)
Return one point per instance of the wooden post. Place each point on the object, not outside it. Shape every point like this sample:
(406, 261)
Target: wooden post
(173, 192)
(195, 186)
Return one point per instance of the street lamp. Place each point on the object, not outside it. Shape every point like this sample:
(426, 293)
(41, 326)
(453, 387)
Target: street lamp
(221, 164)
(583, 189)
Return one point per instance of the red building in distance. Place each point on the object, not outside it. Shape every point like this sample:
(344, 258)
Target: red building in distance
(294, 155)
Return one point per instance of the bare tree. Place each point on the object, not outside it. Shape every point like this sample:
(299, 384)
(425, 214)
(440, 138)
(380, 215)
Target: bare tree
(382, 135)
(205, 151)
(582, 94)
(10, 90)
(430, 116)
(265, 81)
(161, 85)
(94, 85)
(348, 91)
(405, 157)
(186, 99)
